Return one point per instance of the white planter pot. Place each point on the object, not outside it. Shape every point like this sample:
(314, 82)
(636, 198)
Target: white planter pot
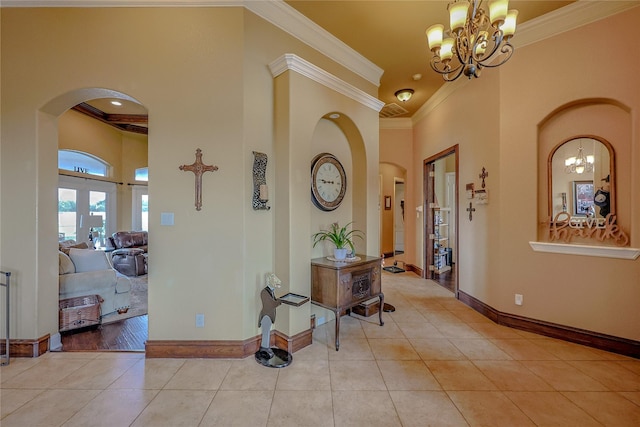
(340, 253)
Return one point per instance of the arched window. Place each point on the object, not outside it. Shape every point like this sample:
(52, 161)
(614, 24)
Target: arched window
(142, 174)
(77, 161)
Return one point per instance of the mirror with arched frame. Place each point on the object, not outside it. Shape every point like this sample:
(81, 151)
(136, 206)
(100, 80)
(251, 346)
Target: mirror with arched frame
(582, 179)
(582, 192)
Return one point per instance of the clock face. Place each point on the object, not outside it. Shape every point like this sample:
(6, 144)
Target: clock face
(328, 182)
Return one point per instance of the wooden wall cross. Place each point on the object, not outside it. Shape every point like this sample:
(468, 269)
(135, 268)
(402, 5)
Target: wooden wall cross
(471, 210)
(198, 168)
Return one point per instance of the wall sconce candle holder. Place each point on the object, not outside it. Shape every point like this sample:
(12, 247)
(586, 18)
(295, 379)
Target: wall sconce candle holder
(260, 189)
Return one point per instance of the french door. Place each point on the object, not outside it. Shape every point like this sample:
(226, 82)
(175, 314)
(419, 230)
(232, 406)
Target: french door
(86, 210)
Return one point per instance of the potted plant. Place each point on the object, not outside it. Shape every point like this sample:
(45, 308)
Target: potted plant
(341, 237)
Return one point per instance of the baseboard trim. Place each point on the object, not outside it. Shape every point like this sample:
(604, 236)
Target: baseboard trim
(294, 343)
(414, 268)
(223, 349)
(27, 348)
(597, 340)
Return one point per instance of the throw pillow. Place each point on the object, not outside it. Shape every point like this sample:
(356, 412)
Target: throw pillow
(82, 245)
(66, 265)
(89, 260)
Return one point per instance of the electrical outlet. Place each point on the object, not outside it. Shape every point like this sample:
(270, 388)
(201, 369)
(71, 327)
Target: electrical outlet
(199, 320)
(518, 299)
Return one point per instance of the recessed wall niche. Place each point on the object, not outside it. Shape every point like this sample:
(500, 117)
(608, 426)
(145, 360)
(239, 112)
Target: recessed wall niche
(601, 128)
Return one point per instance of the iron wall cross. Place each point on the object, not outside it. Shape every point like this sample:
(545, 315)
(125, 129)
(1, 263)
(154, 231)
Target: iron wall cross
(198, 168)
(471, 210)
(483, 175)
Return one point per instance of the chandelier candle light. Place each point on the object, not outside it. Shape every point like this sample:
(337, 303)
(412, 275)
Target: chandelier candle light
(474, 40)
(580, 163)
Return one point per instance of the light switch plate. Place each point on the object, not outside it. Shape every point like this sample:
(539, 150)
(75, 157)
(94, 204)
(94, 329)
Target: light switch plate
(166, 218)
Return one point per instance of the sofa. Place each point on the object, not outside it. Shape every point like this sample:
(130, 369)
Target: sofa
(129, 252)
(86, 272)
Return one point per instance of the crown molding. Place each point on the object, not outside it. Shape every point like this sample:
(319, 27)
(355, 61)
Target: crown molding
(277, 12)
(299, 26)
(567, 18)
(399, 123)
(291, 62)
(121, 3)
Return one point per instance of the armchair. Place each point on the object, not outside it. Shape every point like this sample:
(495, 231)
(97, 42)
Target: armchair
(88, 272)
(129, 252)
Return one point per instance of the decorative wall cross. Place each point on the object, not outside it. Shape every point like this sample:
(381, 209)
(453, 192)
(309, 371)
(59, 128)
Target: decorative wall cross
(483, 175)
(471, 210)
(198, 168)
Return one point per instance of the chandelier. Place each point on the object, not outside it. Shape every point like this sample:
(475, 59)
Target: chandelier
(580, 163)
(474, 39)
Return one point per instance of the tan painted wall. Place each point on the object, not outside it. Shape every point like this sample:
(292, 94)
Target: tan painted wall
(389, 172)
(124, 151)
(396, 148)
(203, 76)
(496, 261)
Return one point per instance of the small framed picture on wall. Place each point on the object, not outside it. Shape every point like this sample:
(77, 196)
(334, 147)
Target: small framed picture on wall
(387, 202)
(583, 203)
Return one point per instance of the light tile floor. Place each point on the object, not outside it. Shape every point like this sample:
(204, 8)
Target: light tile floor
(435, 362)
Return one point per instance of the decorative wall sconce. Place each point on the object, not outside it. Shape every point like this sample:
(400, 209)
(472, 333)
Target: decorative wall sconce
(260, 189)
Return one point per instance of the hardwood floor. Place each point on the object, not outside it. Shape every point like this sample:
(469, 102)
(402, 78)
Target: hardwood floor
(448, 278)
(126, 335)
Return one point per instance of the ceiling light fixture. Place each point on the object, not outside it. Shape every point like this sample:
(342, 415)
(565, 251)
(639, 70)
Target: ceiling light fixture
(404, 94)
(580, 163)
(116, 103)
(475, 38)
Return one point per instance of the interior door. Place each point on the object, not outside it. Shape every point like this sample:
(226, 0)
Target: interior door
(441, 219)
(430, 205)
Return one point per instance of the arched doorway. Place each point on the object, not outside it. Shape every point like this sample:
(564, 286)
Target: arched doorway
(81, 121)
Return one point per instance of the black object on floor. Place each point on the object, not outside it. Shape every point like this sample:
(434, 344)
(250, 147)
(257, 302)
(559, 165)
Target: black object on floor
(273, 357)
(388, 308)
(394, 269)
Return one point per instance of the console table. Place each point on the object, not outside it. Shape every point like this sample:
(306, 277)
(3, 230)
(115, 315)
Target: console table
(339, 286)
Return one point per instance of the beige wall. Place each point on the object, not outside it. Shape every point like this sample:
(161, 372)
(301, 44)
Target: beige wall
(203, 76)
(389, 173)
(495, 258)
(396, 148)
(123, 151)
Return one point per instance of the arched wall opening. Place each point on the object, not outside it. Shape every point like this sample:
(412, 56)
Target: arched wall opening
(392, 218)
(47, 224)
(606, 119)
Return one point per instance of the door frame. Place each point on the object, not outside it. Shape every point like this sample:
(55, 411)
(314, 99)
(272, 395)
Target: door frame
(429, 198)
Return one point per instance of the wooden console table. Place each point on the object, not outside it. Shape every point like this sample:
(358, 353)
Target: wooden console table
(339, 286)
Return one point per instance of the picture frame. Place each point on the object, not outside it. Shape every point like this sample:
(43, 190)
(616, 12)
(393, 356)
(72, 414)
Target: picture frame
(387, 203)
(583, 195)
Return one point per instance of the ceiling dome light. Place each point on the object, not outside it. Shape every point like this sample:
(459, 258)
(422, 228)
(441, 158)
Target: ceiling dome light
(404, 94)
(116, 103)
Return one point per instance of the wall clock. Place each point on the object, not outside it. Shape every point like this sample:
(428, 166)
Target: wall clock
(328, 182)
